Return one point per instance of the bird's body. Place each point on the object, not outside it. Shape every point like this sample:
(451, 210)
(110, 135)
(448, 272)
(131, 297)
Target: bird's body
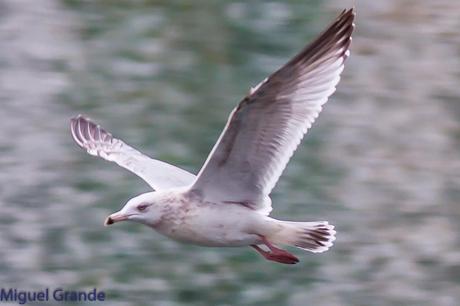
(187, 218)
(227, 203)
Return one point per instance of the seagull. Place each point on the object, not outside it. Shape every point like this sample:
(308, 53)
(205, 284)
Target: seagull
(227, 203)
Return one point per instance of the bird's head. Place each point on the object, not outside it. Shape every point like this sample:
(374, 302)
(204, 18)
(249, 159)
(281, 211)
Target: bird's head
(140, 209)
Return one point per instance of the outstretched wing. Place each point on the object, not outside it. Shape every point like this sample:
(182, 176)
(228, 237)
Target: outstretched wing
(98, 142)
(266, 127)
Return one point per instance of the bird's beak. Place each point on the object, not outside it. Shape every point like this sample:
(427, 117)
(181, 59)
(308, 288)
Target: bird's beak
(114, 218)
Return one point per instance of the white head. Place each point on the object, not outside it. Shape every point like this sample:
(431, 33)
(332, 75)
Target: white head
(140, 209)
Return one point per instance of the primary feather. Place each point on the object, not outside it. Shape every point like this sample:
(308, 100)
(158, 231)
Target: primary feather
(266, 127)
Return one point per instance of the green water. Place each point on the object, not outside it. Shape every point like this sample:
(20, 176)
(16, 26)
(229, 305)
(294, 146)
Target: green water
(382, 162)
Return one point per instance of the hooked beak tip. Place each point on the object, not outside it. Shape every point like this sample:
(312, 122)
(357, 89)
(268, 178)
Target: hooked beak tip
(114, 218)
(108, 221)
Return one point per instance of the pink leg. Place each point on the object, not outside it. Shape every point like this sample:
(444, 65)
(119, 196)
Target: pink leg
(276, 254)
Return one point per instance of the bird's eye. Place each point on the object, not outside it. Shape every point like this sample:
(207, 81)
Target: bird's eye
(142, 207)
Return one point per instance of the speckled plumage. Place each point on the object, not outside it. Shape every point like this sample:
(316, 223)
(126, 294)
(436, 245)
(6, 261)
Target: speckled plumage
(227, 203)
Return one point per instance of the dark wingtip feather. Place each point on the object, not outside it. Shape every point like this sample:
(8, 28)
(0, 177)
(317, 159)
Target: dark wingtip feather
(337, 36)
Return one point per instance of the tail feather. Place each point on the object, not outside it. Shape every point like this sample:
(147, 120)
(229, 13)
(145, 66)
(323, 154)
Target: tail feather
(315, 237)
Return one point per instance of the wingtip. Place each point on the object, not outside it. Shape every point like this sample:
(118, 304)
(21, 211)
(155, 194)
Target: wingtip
(347, 20)
(347, 11)
(346, 14)
(350, 10)
(74, 123)
(353, 13)
(76, 118)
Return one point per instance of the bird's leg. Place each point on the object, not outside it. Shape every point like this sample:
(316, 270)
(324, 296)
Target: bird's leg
(275, 254)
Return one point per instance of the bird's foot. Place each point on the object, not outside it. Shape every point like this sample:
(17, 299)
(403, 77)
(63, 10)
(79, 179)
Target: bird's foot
(276, 254)
(285, 258)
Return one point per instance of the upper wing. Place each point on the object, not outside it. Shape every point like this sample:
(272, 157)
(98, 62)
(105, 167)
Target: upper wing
(96, 141)
(266, 127)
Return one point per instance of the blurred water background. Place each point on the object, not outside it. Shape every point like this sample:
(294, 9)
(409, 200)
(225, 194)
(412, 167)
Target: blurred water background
(382, 162)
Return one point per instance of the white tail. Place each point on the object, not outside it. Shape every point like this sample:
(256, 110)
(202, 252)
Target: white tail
(315, 237)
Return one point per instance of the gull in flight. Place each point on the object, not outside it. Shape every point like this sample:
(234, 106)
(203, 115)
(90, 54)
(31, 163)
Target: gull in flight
(227, 203)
